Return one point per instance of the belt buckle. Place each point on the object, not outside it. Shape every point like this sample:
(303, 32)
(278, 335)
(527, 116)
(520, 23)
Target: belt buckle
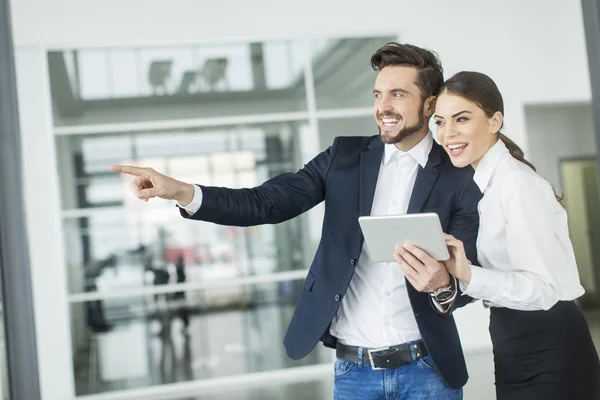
(370, 352)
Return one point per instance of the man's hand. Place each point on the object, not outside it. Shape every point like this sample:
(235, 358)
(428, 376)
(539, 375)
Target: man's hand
(148, 184)
(422, 271)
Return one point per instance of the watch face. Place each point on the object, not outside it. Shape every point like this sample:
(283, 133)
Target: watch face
(444, 296)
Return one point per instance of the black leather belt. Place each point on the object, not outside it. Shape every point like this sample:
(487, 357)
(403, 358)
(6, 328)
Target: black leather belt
(386, 357)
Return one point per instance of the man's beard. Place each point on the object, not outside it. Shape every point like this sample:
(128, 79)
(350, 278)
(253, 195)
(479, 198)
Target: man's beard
(405, 132)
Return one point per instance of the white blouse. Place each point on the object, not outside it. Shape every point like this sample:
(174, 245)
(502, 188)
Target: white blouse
(526, 256)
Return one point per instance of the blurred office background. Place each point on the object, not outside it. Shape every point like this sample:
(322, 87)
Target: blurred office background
(133, 302)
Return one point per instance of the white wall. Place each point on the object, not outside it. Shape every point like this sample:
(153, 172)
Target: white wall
(534, 50)
(558, 132)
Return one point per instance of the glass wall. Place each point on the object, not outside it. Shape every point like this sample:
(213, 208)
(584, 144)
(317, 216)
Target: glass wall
(158, 299)
(103, 86)
(342, 73)
(115, 238)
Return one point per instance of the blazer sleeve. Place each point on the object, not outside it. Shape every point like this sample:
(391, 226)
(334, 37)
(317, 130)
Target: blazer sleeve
(278, 199)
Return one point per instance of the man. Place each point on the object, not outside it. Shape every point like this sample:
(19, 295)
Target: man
(393, 339)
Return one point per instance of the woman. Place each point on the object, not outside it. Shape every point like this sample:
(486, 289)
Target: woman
(527, 272)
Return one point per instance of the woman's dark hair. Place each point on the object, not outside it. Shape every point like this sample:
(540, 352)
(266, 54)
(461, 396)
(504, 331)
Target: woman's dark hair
(482, 90)
(431, 74)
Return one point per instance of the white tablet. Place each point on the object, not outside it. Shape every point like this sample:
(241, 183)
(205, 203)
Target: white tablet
(383, 233)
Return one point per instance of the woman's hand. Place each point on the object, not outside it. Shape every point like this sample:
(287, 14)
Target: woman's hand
(457, 265)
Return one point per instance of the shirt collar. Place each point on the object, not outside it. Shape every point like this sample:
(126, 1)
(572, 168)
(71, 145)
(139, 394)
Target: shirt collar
(420, 153)
(487, 165)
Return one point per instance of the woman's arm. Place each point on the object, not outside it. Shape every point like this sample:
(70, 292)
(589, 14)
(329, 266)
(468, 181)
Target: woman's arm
(528, 205)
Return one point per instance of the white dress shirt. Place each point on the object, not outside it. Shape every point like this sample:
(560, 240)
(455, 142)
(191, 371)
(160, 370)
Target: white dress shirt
(523, 243)
(376, 310)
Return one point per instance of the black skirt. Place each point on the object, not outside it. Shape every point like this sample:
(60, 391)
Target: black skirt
(545, 355)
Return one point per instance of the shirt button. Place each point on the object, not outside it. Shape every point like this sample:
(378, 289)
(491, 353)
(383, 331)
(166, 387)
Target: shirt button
(352, 261)
(337, 297)
(387, 293)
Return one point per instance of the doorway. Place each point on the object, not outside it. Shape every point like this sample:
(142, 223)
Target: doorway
(582, 202)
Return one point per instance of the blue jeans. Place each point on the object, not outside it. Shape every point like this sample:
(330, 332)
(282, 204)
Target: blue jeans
(419, 380)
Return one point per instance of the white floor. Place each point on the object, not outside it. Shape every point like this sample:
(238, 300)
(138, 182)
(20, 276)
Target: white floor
(221, 345)
(479, 387)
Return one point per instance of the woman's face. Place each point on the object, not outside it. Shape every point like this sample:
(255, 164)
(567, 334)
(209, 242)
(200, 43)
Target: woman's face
(464, 130)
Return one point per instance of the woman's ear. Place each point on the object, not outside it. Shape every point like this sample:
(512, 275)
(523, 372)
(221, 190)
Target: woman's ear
(496, 122)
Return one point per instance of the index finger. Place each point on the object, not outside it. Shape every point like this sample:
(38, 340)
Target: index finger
(417, 252)
(454, 242)
(128, 169)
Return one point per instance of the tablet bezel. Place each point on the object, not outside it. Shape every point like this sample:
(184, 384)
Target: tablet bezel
(383, 232)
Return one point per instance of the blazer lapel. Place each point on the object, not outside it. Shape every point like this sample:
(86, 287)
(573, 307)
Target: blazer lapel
(426, 177)
(370, 161)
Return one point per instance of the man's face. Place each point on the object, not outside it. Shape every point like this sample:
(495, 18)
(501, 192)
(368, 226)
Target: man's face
(398, 107)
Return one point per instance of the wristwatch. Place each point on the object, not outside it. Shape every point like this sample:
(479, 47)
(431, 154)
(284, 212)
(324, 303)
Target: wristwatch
(445, 294)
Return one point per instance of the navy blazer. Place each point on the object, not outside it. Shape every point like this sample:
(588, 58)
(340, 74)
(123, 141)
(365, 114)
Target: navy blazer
(344, 176)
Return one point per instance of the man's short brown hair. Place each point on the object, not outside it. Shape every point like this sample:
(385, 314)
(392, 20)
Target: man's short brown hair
(431, 74)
